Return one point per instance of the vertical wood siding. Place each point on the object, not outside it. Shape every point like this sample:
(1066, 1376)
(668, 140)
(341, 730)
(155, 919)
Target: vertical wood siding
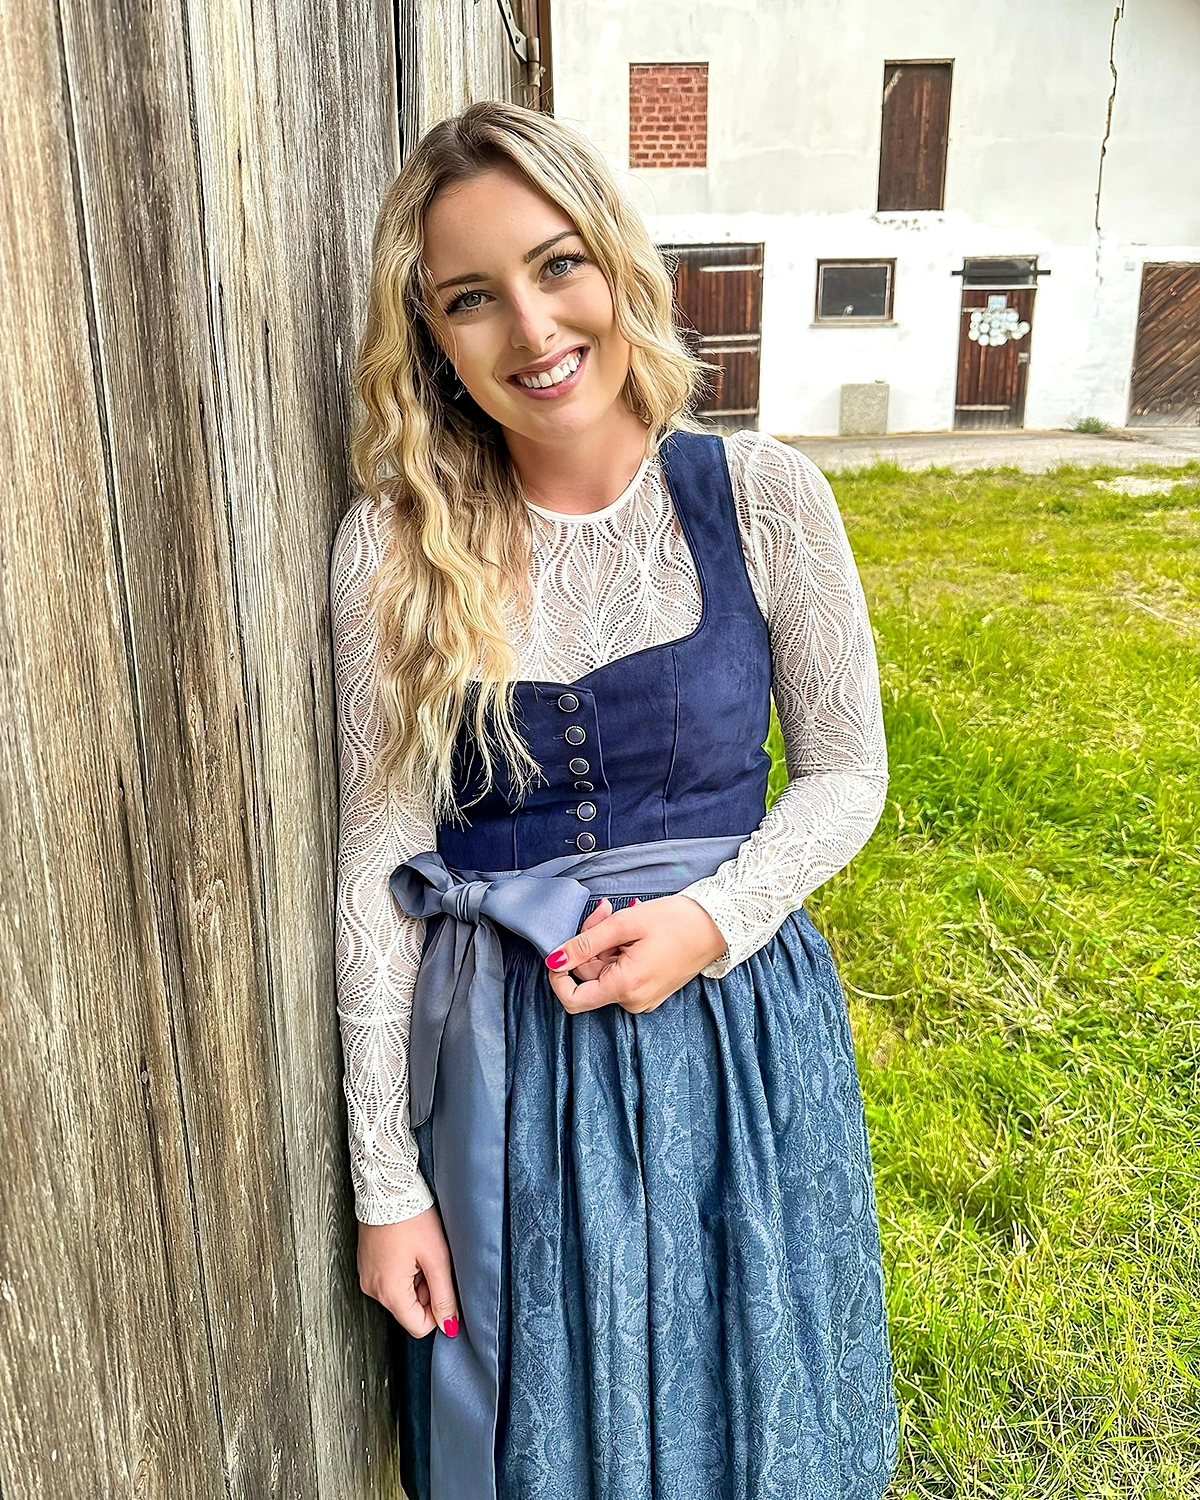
(189, 195)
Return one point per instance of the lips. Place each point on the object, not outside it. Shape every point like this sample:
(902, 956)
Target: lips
(553, 376)
(547, 362)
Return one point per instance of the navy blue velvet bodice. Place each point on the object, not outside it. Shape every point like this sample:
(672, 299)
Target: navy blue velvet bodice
(665, 742)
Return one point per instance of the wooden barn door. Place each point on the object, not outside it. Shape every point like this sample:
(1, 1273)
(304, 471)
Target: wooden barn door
(718, 299)
(993, 356)
(1166, 363)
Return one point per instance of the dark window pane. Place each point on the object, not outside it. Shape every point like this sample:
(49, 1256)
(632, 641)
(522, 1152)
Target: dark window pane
(854, 292)
(1020, 270)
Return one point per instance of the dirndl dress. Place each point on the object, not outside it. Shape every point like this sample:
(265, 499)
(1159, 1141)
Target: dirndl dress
(662, 1226)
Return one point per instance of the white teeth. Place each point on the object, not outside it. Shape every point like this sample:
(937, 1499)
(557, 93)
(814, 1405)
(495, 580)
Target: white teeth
(556, 376)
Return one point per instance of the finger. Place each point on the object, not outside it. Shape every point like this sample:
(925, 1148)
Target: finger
(613, 932)
(442, 1301)
(406, 1307)
(603, 910)
(617, 984)
(609, 987)
(596, 966)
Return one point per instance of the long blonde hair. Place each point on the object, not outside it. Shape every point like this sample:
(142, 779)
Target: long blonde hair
(457, 530)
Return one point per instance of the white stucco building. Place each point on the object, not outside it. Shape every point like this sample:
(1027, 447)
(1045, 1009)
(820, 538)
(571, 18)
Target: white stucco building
(1072, 152)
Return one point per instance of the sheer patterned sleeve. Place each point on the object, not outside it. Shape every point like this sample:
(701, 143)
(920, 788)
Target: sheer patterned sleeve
(825, 683)
(377, 945)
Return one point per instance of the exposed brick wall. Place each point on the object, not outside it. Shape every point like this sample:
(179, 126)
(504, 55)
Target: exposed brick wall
(668, 114)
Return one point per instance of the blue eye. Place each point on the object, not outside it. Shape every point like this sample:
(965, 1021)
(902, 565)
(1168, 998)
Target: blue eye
(566, 261)
(460, 304)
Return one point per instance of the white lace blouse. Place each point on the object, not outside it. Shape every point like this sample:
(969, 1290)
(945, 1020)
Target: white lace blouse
(605, 584)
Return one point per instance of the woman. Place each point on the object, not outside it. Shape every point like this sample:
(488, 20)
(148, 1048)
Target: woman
(610, 1165)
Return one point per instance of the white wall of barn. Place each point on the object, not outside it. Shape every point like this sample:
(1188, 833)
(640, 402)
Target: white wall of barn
(793, 153)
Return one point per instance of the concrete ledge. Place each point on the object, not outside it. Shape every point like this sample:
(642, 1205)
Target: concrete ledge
(1028, 449)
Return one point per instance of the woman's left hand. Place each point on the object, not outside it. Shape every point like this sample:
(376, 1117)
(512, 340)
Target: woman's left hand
(636, 957)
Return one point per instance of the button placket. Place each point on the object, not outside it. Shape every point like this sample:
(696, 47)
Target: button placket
(580, 768)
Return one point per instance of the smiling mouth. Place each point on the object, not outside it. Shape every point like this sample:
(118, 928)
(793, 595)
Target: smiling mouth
(565, 373)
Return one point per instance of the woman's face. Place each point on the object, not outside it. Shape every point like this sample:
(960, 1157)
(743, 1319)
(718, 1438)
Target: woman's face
(524, 314)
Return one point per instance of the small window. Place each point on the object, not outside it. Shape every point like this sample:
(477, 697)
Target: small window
(855, 291)
(914, 133)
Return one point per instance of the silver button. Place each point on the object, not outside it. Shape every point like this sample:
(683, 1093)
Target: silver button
(578, 766)
(576, 734)
(586, 842)
(585, 812)
(568, 702)
(585, 786)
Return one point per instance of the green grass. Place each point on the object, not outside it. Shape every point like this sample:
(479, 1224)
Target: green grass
(1019, 945)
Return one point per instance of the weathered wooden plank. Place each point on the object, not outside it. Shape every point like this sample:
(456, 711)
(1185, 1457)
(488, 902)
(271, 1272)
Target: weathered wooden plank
(288, 258)
(464, 55)
(103, 1347)
(159, 326)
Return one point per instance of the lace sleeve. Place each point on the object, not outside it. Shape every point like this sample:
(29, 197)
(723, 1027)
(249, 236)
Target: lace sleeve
(825, 683)
(377, 945)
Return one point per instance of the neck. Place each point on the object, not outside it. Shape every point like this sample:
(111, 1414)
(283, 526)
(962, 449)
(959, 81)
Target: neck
(585, 471)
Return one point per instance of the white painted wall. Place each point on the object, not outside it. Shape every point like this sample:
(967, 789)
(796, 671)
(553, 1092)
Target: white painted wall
(793, 149)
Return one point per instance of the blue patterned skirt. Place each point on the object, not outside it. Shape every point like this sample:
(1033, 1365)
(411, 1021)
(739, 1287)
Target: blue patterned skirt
(692, 1303)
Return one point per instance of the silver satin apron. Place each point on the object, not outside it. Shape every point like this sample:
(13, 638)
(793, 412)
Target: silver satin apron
(456, 1063)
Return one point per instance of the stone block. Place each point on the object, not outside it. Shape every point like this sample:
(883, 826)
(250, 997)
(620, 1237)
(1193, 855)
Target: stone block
(864, 410)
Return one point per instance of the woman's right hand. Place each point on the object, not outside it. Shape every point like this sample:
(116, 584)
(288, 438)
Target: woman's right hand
(406, 1266)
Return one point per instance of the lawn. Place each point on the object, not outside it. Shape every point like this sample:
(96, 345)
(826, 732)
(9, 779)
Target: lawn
(1019, 947)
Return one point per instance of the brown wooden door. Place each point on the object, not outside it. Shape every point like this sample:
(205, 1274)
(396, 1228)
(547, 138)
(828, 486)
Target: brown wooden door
(1166, 359)
(718, 302)
(913, 135)
(993, 356)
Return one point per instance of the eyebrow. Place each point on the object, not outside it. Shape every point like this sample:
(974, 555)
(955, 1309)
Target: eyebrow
(527, 257)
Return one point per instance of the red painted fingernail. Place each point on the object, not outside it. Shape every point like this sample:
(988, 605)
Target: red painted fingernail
(634, 902)
(557, 958)
(451, 1327)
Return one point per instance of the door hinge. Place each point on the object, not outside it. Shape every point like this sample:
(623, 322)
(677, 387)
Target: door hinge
(517, 39)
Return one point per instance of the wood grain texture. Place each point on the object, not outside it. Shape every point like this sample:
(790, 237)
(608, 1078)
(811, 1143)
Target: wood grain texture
(463, 54)
(189, 193)
(1166, 361)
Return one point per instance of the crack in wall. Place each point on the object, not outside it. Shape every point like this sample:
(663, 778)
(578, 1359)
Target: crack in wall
(1118, 14)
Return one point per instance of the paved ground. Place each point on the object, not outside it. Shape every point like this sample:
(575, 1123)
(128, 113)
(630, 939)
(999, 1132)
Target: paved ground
(1032, 451)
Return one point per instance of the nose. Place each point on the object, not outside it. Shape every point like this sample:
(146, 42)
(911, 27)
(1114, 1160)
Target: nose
(533, 324)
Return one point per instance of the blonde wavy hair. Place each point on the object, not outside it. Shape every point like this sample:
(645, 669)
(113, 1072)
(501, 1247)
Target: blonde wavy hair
(457, 532)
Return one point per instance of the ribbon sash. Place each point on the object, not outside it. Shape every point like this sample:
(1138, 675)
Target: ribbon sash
(457, 1070)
